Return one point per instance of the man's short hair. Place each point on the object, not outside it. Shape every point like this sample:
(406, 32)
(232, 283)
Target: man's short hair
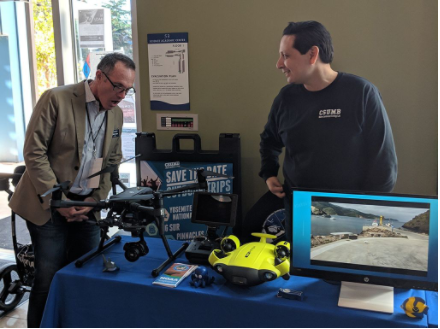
(108, 62)
(311, 33)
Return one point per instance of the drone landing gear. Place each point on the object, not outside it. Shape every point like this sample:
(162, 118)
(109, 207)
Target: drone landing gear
(171, 256)
(134, 250)
(102, 246)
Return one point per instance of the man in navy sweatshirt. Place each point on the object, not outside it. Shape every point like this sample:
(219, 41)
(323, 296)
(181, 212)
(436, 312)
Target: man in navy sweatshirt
(333, 125)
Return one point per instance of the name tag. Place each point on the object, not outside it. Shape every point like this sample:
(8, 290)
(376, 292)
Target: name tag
(115, 133)
(94, 168)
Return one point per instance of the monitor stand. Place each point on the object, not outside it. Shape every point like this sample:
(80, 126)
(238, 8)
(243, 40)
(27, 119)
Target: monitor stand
(367, 297)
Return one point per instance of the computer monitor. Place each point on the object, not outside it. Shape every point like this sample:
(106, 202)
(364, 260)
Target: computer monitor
(377, 239)
(214, 209)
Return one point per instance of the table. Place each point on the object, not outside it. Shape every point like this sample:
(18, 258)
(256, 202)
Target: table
(89, 297)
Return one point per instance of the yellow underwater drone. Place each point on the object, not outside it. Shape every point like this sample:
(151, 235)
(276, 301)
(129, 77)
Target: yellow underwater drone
(252, 263)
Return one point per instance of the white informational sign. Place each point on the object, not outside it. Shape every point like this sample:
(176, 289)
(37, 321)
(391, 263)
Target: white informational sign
(95, 58)
(94, 28)
(127, 106)
(127, 138)
(168, 62)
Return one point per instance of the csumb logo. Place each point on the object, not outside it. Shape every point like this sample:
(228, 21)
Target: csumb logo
(170, 165)
(330, 113)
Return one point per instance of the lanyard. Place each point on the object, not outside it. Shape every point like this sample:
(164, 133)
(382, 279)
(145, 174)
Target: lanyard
(97, 133)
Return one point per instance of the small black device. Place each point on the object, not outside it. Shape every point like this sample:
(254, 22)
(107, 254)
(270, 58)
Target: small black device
(290, 294)
(214, 210)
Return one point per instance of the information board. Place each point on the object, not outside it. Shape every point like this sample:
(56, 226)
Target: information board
(168, 63)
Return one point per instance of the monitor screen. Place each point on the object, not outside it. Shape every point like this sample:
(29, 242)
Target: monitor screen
(384, 239)
(214, 209)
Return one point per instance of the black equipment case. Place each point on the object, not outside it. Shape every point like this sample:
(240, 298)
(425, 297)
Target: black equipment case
(159, 165)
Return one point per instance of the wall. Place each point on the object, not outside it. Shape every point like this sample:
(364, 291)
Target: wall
(233, 48)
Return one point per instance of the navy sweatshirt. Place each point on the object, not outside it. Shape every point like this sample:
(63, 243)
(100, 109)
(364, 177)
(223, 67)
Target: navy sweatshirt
(338, 138)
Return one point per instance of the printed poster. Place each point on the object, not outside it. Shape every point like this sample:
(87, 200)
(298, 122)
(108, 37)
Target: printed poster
(161, 176)
(95, 57)
(127, 143)
(91, 28)
(168, 63)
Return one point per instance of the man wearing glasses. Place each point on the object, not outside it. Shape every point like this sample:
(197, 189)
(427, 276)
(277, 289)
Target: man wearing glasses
(74, 131)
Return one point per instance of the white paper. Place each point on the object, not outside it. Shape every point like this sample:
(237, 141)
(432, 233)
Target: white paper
(94, 168)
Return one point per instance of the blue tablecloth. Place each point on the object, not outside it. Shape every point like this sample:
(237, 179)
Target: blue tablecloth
(89, 297)
(432, 302)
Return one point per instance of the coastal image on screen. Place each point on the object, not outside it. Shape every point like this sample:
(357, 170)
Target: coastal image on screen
(373, 236)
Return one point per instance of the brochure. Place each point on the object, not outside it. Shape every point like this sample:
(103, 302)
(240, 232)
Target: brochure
(175, 274)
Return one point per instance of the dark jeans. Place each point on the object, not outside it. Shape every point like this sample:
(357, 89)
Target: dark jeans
(56, 244)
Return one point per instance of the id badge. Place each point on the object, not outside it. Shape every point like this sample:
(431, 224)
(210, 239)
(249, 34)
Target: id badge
(94, 168)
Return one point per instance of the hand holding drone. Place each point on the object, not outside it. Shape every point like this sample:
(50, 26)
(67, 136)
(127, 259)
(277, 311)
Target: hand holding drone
(131, 210)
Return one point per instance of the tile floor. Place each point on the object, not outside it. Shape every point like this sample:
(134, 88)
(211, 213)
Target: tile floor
(16, 318)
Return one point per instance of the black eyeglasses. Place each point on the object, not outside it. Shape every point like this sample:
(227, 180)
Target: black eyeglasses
(119, 89)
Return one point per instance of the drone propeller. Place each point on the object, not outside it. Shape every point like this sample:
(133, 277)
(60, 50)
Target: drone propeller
(134, 194)
(214, 174)
(62, 186)
(186, 188)
(201, 184)
(134, 198)
(206, 173)
(111, 168)
(8, 175)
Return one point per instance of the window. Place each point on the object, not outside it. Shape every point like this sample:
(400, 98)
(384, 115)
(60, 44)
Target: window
(17, 95)
(99, 27)
(102, 26)
(60, 45)
(44, 45)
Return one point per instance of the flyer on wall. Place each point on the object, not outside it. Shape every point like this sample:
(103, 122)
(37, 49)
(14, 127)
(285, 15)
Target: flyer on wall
(91, 28)
(95, 57)
(168, 63)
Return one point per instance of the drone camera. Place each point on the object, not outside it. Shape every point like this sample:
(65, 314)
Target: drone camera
(230, 243)
(282, 250)
(269, 276)
(219, 268)
(134, 250)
